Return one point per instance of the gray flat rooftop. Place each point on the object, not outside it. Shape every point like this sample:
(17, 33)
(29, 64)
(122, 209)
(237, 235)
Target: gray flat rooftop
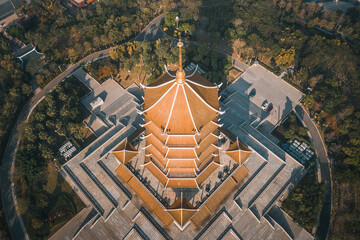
(118, 103)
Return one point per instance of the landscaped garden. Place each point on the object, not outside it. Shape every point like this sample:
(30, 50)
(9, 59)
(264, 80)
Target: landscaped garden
(45, 199)
(47, 203)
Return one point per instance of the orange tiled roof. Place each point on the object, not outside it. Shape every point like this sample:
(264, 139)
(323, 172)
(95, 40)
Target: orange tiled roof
(238, 152)
(181, 211)
(181, 124)
(124, 152)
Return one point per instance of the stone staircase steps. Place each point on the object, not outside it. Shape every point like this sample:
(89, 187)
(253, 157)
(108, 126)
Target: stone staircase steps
(268, 182)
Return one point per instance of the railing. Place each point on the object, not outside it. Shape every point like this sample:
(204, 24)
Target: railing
(140, 232)
(223, 210)
(155, 223)
(230, 227)
(222, 179)
(115, 179)
(84, 190)
(249, 180)
(99, 184)
(266, 185)
(281, 190)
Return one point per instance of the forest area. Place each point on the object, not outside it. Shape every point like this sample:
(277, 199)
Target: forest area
(320, 52)
(281, 34)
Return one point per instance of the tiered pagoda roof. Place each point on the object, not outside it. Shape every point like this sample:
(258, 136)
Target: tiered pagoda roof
(181, 132)
(181, 127)
(124, 152)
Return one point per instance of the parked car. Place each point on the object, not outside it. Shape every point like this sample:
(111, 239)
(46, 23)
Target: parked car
(265, 104)
(270, 107)
(252, 93)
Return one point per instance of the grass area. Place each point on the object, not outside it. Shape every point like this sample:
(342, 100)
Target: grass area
(345, 221)
(45, 199)
(291, 128)
(305, 201)
(47, 203)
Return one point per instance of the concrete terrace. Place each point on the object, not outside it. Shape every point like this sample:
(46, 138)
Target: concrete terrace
(249, 211)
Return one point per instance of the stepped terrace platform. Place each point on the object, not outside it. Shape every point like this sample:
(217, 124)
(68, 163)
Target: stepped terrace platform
(243, 214)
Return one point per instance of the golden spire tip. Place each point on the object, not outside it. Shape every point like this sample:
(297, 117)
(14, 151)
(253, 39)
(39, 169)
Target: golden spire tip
(180, 73)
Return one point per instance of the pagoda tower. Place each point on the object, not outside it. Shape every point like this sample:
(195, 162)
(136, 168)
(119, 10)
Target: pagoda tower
(181, 128)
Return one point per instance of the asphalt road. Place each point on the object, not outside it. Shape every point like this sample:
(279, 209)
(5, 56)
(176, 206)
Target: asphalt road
(152, 31)
(15, 222)
(325, 215)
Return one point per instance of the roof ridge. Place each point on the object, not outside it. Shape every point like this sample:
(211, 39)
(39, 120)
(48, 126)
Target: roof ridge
(203, 100)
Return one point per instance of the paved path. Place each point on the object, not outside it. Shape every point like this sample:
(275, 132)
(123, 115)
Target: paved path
(15, 222)
(324, 222)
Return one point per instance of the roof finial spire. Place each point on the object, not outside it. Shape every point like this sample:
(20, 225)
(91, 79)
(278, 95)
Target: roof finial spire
(180, 73)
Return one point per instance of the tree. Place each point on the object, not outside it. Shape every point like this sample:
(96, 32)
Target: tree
(26, 89)
(46, 151)
(170, 19)
(36, 223)
(64, 111)
(23, 204)
(73, 55)
(286, 57)
(78, 134)
(60, 128)
(71, 127)
(42, 200)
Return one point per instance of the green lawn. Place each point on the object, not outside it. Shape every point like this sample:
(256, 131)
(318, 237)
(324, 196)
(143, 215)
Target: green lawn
(50, 200)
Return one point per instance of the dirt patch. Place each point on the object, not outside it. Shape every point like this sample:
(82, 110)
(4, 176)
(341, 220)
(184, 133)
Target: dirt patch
(233, 74)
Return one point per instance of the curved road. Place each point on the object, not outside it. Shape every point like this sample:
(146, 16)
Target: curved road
(15, 223)
(325, 172)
